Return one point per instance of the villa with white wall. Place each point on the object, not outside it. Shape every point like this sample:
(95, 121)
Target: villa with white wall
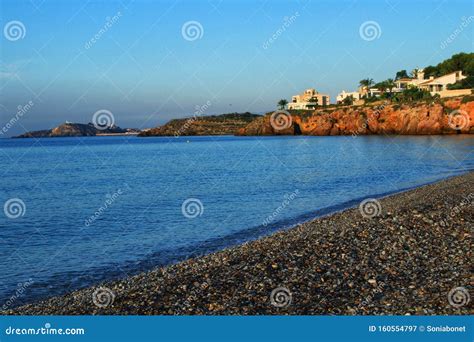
(439, 84)
(344, 94)
(309, 99)
(435, 85)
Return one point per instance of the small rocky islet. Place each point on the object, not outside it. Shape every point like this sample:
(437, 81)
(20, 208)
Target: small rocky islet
(403, 259)
(70, 129)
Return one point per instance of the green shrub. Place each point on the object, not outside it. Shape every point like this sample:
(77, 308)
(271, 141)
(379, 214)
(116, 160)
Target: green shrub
(467, 98)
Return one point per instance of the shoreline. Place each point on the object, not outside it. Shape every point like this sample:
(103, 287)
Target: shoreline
(390, 135)
(403, 261)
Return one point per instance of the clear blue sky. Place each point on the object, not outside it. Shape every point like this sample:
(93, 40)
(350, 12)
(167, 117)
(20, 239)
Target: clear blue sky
(145, 72)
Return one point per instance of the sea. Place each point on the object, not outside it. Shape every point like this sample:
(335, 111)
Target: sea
(83, 210)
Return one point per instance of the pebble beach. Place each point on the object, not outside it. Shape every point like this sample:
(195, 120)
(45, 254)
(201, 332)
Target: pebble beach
(404, 255)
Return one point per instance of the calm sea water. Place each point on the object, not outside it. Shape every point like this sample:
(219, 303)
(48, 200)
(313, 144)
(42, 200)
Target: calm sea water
(103, 208)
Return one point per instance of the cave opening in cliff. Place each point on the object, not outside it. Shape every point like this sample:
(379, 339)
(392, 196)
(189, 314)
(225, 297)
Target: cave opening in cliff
(297, 129)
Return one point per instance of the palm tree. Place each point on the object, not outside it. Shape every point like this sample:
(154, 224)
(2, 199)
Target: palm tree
(414, 73)
(390, 84)
(282, 104)
(367, 82)
(382, 86)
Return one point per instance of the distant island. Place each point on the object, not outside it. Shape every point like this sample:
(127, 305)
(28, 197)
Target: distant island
(69, 129)
(224, 124)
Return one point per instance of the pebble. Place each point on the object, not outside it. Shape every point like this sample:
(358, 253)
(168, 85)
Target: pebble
(343, 264)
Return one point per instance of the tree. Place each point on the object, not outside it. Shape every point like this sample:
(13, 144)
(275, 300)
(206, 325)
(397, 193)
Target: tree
(390, 84)
(348, 101)
(467, 83)
(382, 86)
(282, 104)
(461, 61)
(313, 103)
(401, 74)
(412, 94)
(367, 82)
(414, 72)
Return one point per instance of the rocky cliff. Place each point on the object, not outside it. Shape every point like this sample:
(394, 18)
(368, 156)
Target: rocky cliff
(203, 125)
(73, 130)
(450, 116)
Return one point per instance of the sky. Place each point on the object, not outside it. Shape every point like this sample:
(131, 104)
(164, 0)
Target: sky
(150, 61)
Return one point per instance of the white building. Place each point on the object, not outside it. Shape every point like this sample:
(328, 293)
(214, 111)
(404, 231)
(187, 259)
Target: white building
(434, 85)
(309, 99)
(344, 94)
(438, 84)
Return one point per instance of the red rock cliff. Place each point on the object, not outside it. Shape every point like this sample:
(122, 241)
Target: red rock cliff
(449, 117)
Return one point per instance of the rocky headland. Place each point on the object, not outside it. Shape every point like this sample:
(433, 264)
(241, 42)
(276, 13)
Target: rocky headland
(224, 124)
(445, 116)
